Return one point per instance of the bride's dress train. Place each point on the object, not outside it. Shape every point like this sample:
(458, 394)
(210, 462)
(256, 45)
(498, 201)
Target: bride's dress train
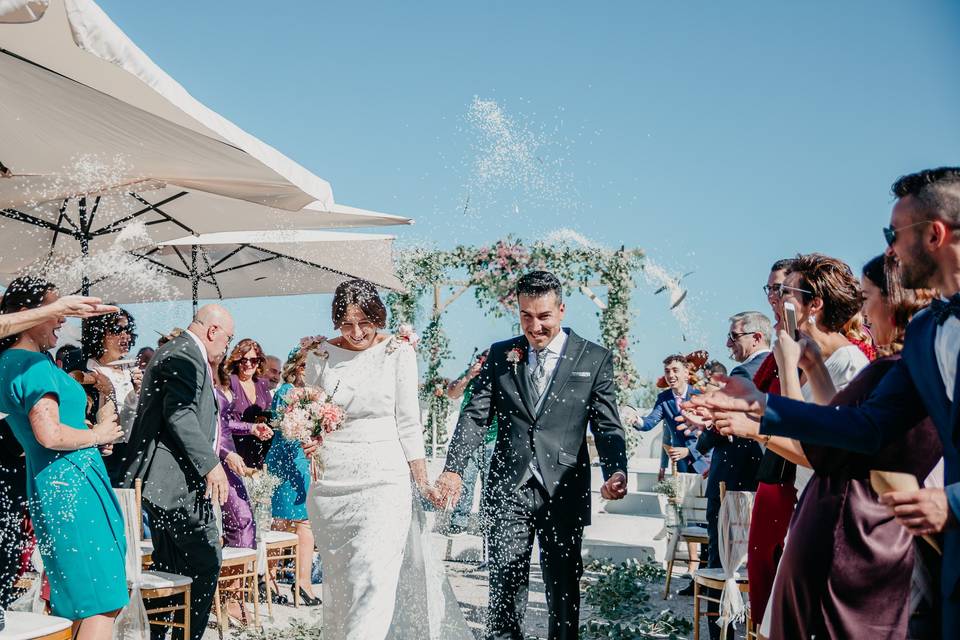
(380, 578)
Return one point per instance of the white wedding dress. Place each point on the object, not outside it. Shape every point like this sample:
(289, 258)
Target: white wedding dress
(380, 579)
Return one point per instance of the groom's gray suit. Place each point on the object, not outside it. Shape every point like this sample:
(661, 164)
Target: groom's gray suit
(539, 477)
(171, 450)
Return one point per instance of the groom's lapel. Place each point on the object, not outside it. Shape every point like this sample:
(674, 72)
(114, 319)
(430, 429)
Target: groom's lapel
(521, 378)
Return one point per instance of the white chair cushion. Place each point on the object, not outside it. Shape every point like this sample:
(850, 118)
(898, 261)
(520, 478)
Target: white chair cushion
(23, 626)
(273, 537)
(162, 580)
(717, 574)
(239, 553)
(694, 531)
(146, 548)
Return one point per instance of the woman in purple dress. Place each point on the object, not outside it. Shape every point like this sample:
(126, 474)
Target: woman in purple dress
(244, 400)
(847, 566)
(248, 414)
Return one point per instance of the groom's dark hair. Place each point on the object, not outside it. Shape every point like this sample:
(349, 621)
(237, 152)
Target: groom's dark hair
(539, 283)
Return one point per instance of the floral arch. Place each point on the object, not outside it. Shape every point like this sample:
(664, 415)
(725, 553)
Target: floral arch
(491, 272)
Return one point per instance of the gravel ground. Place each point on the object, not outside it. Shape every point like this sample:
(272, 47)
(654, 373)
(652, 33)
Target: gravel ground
(470, 585)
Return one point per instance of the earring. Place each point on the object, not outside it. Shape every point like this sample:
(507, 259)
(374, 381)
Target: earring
(812, 319)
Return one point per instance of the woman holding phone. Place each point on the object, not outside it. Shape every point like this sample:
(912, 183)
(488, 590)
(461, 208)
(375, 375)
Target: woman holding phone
(847, 567)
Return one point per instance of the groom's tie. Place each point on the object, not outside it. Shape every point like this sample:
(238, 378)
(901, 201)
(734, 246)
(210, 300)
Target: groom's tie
(539, 374)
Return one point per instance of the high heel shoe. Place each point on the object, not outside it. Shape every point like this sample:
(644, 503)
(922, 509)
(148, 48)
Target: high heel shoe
(307, 600)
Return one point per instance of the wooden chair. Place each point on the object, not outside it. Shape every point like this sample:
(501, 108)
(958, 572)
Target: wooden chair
(281, 546)
(34, 626)
(715, 578)
(691, 508)
(158, 588)
(238, 579)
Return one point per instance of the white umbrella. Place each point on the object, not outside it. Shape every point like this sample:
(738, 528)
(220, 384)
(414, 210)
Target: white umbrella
(133, 168)
(237, 264)
(77, 40)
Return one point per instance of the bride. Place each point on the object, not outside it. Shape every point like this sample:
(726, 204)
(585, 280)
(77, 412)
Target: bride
(380, 580)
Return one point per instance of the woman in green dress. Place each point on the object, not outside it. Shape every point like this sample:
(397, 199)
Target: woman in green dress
(75, 514)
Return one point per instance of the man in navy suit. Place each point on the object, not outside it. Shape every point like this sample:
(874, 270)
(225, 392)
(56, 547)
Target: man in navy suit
(734, 461)
(679, 446)
(924, 236)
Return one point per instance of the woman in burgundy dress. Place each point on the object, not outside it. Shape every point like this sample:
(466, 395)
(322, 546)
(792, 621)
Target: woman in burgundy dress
(847, 566)
(244, 435)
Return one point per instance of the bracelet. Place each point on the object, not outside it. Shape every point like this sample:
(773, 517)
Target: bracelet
(96, 439)
(766, 440)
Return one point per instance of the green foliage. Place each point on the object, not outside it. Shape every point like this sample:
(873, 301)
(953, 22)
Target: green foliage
(492, 271)
(620, 603)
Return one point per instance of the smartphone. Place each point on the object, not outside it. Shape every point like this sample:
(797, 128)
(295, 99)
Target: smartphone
(790, 316)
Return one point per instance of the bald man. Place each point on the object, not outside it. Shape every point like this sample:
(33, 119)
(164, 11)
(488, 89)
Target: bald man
(172, 450)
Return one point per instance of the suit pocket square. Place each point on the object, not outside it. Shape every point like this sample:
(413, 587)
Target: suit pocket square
(580, 374)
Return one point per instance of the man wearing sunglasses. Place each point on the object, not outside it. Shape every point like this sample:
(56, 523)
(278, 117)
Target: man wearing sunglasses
(924, 236)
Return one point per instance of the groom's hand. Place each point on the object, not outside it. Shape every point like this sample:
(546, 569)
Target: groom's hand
(615, 487)
(449, 486)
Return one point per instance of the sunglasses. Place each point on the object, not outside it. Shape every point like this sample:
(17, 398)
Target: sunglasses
(890, 233)
(253, 362)
(736, 335)
(119, 330)
(778, 289)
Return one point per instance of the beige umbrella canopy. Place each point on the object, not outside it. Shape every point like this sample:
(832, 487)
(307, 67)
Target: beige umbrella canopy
(76, 40)
(101, 144)
(239, 264)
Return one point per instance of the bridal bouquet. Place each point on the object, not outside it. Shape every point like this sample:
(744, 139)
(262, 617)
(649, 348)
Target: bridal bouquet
(309, 413)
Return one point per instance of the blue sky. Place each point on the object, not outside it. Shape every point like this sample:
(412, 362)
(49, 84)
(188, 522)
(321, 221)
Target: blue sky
(716, 136)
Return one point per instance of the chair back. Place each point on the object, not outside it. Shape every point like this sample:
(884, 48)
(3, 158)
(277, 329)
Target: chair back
(733, 529)
(691, 497)
(132, 622)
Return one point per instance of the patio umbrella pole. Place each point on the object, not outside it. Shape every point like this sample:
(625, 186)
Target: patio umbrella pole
(194, 277)
(84, 237)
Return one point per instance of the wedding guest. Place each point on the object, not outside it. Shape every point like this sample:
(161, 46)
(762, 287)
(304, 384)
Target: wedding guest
(850, 574)
(173, 451)
(459, 393)
(13, 510)
(63, 354)
(922, 236)
(826, 295)
(247, 413)
(144, 356)
(107, 339)
(680, 445)
(286, 460)
(74, 511)
(776, 493)
(734, 461)
(710, 369)
(239, 529)
(272, 372)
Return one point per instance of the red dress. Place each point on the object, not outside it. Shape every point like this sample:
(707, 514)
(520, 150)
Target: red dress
(772, 510)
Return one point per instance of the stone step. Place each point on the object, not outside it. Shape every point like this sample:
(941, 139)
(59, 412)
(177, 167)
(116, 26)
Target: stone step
(639, 503)
(637, 479)
(620, 537)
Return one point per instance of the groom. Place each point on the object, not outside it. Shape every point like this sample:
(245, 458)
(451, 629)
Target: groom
(543, 388)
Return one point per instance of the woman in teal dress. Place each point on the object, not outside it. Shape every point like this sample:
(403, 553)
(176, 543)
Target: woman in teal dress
(285, 460)
(75, 514)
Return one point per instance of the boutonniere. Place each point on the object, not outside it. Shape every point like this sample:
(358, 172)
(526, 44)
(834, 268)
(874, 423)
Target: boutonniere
(514, 356)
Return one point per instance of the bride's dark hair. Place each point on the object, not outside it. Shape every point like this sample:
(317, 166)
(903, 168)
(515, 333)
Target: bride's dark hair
(362, 294)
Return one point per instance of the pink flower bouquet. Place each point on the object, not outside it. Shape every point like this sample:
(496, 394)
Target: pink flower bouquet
(309, 413)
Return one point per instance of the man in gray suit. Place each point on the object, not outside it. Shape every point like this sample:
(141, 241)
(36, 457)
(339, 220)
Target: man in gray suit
(543, 388)
(172, 450)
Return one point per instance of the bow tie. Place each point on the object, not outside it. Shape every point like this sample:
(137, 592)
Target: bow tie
(943, 309)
